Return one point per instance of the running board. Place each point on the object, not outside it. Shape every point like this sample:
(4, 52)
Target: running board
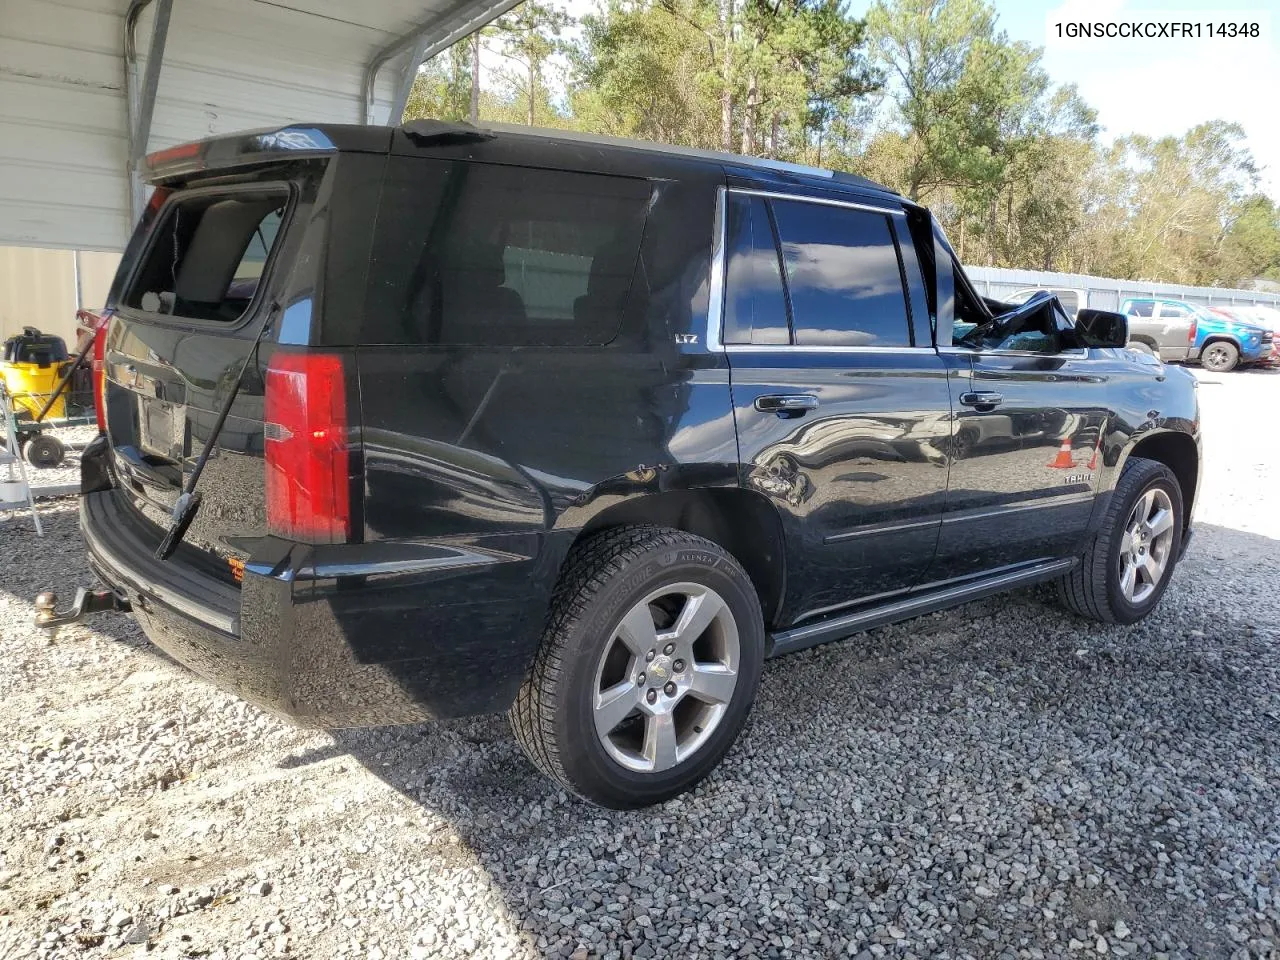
(801, 638)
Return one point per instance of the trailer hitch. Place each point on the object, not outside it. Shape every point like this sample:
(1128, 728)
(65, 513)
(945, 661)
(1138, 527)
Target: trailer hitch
(86, 602)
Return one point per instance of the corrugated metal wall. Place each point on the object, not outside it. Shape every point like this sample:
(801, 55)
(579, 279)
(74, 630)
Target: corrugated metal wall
(1104, 293)
(44, 288)
(229, 65)
(62, 124)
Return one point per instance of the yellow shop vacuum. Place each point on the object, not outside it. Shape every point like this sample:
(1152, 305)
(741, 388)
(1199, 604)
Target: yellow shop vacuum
(32, 365)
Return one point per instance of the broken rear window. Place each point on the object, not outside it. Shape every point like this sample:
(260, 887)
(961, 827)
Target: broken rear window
(208, 255)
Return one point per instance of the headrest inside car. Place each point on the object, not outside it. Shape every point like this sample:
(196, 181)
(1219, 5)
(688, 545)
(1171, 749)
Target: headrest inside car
(216, 247)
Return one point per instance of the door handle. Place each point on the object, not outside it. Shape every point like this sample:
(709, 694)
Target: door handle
(982, 399)
(787, 405)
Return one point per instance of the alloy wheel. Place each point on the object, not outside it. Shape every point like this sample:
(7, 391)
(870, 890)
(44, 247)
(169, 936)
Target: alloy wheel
(1216, 357)
(1146, 547)
(665, 678)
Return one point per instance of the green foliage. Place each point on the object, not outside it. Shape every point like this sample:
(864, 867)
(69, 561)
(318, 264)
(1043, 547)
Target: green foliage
(442, 88)
(529, 36)
(930, 97)
(646, 72)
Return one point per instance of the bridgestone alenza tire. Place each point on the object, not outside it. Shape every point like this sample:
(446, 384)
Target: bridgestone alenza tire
(606, 580)
(1093, 588)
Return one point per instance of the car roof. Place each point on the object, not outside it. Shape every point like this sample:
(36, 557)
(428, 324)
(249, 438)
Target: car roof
(500, 143)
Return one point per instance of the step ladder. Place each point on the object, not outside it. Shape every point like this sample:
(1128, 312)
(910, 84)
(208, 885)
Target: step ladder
(15, 490)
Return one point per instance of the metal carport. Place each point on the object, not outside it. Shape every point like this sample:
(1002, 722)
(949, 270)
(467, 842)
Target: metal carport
(87, 87)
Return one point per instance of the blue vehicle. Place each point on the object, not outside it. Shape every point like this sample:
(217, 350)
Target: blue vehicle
(1183, 331)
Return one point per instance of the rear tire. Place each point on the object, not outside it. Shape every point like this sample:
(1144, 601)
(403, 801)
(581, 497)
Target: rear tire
(44, 451)
(1122, 576)
(648, 667)
(1137, 346)
(1219, 356)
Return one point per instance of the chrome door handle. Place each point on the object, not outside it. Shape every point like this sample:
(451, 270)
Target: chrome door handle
(981, 398)
(787, 405)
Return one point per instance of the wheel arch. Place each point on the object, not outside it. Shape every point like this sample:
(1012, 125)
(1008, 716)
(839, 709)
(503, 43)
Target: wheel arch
(742, 522)
(1180, 453)
(1222, 338)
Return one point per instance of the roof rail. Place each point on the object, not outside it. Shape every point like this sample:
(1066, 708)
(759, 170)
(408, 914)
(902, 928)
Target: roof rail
(761, 163)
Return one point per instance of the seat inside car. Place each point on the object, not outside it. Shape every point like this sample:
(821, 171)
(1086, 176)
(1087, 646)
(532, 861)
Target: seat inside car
(473, 297)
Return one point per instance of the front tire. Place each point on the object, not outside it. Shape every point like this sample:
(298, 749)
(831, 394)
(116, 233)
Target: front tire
(1127, 567)
(1220, 356)
(648, 667)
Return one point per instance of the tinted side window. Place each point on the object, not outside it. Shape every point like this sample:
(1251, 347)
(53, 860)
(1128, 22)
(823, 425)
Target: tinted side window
(469, 253)
(843, 275)
(755, 309)
(1174, 311)
(1143, 308)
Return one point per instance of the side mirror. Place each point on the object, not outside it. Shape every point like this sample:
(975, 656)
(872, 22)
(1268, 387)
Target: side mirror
(1102, 328)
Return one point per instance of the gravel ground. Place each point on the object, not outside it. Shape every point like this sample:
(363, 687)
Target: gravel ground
(74, 438)
(998, 781)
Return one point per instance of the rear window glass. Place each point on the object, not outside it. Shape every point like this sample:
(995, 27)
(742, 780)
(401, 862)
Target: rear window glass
(208, 255)
(755, 304)
(844, 276)
(469, 253)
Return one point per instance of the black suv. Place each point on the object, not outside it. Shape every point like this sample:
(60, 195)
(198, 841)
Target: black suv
(437, 420)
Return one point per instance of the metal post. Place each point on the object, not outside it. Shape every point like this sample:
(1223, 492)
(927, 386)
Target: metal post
(395, 115)
(444, 32)
(151, 81)
(140, 100)
(75, 270)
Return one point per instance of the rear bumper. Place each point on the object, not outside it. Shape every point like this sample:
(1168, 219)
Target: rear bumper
(334, 636)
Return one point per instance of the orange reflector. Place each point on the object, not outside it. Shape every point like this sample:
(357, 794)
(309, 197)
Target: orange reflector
(237, 568)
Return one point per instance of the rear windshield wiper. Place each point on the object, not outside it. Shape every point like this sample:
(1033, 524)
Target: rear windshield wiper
(188, 503)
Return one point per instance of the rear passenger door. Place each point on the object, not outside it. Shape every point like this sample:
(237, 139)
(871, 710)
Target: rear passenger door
(842, 411)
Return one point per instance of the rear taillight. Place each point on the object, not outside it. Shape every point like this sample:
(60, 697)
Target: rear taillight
(1191, 334)
(308, 479)
(98, 324)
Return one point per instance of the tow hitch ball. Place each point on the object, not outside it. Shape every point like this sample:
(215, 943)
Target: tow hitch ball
(86, 602)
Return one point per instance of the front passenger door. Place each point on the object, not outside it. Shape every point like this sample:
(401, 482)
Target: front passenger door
(1029, 428)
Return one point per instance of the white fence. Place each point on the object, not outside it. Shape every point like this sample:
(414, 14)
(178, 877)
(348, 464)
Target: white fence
(1104, 293)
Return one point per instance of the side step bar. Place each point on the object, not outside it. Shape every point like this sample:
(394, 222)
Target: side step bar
(801, 638)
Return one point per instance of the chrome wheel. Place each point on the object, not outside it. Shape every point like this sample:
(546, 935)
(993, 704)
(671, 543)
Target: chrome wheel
(1146, 547)
(666, 676)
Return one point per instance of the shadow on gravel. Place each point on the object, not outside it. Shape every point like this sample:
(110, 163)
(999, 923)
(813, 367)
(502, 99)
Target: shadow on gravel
(988, 779)
(970, 770)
